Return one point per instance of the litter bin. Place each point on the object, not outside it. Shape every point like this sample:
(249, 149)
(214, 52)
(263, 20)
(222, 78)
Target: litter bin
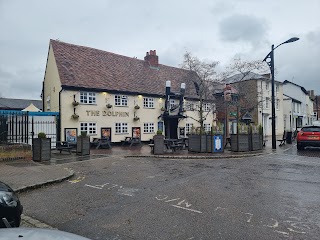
(289, 137)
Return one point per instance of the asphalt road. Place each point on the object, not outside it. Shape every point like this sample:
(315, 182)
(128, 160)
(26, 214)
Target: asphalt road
(275, 196)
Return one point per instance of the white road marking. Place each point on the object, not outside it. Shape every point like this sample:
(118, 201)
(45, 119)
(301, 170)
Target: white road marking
(275, 225)
(172, 200)
(284, 233)
(79, 179)
(93, 186)
(188, 209)
(250, 216)
(160, 199)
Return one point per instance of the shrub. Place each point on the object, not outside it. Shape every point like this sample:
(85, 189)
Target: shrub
(159, 132)
(42, 135)
(83, 134)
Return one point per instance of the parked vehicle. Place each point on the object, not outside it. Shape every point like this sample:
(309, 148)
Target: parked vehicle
(308, 136)
(10, 207)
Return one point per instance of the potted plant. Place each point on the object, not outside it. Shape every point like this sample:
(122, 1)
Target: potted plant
(109, 105)
(41, 148)
(83, 144)
(158, 141)
(162, 109)
(137, 107)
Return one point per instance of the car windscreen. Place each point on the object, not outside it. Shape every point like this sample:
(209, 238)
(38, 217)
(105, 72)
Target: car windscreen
(311, 129)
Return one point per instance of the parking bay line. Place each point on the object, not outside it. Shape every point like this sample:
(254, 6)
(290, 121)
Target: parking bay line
(189, 209)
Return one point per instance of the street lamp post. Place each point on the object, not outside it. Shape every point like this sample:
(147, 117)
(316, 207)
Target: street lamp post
(273, 110)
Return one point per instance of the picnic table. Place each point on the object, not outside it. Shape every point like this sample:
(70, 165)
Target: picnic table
(174, 144)
(63, 146)
(131, 141)
(101, 143)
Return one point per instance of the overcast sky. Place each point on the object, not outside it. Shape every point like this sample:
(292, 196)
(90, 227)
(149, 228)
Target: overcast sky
(209, 29)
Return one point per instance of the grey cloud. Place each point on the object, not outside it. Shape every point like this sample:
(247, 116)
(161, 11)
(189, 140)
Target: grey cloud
(245, 28)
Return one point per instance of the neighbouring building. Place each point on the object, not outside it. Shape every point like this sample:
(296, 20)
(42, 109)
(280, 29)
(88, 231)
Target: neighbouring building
(254, 97)
(298, 106)
(103, 93)
(20, 104)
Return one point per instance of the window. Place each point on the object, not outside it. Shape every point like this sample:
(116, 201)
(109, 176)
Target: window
(206, 107)
(48, 103)
(189, 106)
(172, 103)
(120, 100)
(148, 127)
(121, 128)
(88, 97)
(89, 127)
(267, 102)
(189, 127)
(207, 127)
(267, 86)
(148, 102)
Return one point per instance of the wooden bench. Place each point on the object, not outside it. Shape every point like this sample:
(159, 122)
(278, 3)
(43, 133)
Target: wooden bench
(282, 141)
(63, 146)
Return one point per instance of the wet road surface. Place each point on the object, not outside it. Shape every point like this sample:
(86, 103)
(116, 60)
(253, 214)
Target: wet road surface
(275, 196)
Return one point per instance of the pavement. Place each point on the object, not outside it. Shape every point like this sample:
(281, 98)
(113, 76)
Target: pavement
(24, 174)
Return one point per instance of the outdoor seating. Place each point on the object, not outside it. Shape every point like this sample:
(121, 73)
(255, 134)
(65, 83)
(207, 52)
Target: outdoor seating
(131, 141)
(101, 143)
(63, 146)
(174, 144)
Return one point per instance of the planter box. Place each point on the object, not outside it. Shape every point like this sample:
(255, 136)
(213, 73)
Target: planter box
(158, 141)
(243, 143)
(257, 143)
(200, 143)
(41, 149)
(83, 146)
(247, 142)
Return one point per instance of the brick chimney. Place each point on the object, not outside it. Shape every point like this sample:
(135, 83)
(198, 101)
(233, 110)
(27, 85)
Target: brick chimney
(152, 58)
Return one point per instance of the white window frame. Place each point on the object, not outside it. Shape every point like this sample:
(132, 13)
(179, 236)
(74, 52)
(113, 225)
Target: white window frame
(148, 127)
(148, 102)
(267, 102)
(207, 127)
(206, 107)
(189, 126)
(121, 100)
(48, 104)
(87, 98)
(172, 103)
(121, 128)
(89, 127)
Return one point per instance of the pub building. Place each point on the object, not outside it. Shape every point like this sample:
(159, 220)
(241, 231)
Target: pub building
(110, 95)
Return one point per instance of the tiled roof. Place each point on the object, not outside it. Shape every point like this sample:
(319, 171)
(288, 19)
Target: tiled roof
(18, 104)
(85, 67)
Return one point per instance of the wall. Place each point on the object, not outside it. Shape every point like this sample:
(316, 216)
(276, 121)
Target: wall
(52, 84)
(107, 117)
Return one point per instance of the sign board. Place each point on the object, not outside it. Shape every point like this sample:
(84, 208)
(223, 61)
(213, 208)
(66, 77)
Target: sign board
(217, 143)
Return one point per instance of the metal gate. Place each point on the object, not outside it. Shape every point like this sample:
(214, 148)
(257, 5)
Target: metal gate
(22, 127)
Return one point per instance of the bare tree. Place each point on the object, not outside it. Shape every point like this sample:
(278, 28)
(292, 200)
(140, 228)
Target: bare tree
(206, 77)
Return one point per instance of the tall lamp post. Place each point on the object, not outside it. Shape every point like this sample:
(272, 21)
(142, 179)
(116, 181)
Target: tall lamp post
(271, 65)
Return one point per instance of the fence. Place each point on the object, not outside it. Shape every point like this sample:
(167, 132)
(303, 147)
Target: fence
(22, 127)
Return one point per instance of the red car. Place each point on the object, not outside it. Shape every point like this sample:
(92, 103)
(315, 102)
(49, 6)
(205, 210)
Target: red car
(308, 136)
